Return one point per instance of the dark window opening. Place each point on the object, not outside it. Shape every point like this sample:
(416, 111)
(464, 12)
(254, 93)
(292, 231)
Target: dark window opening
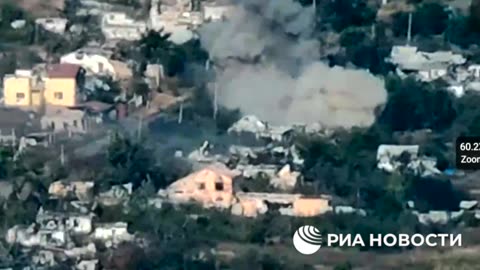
(219, 186)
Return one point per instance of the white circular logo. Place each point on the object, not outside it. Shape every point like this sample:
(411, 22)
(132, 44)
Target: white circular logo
(307, 240)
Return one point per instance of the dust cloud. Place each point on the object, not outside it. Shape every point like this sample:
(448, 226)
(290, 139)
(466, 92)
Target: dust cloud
(270, 68)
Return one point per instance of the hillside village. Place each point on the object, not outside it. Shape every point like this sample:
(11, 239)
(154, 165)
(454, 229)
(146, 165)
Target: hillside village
(119, 153)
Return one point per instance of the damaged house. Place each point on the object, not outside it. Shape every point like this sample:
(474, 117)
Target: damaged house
(82, 191)
(252, 204)
(211, 187)
(391, 158)
(253, 128)
(426, 66)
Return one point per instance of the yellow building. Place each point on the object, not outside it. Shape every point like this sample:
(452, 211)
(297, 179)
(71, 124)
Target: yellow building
(17, 89)
(62, 85)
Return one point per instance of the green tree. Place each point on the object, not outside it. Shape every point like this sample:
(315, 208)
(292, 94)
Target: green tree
(132, 163)
(412, 105)
(341, 14)
(428, 19)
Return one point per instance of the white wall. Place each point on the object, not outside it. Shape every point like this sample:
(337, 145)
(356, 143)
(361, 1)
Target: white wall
(93, 63)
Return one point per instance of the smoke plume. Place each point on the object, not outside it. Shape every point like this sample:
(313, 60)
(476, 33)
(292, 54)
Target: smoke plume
(270, 68)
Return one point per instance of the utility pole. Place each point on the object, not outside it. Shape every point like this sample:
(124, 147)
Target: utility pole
(207, 64)
(180, 113)
(215, 101)
(140, 126)
(62, 155)
(409, 33)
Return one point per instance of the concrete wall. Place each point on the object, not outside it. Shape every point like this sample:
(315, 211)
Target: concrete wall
(67, 87)
(202, 187)
(14, 86)
(304, 207)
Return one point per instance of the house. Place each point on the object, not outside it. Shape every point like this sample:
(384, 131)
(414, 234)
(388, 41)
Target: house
(59, 119)
(24, 89)
(18, 24)
(87, 265)
(44, 258)
(252, 171)
(55, 25)
(474, 70)
(64, 85)
(116, 195)
(388, 155)
(468, 205)
(254, 203)
(58, 84)
(432, 72)
(97, 62)
(211, 186)
(437, 217)
(213, 11)
(177, 19)
(249, 124)
(118, 26)
(112, 234)
(428, 66)
(390, 158)
(68, 222)
(30, 236)
(285, 179)
(251, 127)
(71, 190)
(457, 90)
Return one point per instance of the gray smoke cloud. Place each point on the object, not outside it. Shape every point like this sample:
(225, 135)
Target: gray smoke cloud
(283, 82)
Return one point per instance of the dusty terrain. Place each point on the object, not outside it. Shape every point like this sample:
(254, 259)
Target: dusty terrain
(41, 8)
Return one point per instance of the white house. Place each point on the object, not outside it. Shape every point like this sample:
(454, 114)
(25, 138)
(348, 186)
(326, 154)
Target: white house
(428, 66)
(215, 12)
(55, 25)
(474, 70)
(457, 90)
(387, 155)
(112, 233)
(95, 62)
(118, 26)
(431, 72)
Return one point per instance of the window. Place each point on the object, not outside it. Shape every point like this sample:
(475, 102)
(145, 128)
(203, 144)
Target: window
(100, 67)
(20, 97)
(75, 123)
(58, 95)
(201, 186)
(219, 186)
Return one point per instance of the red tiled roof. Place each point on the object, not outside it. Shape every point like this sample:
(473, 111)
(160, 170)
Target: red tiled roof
(63, 71)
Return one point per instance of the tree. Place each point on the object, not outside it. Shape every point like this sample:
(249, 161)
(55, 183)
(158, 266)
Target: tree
(474, 18)
(412, 105)
(156, 48)
(344, 266)
(132, 163)
(427, 20)
(341, 14)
